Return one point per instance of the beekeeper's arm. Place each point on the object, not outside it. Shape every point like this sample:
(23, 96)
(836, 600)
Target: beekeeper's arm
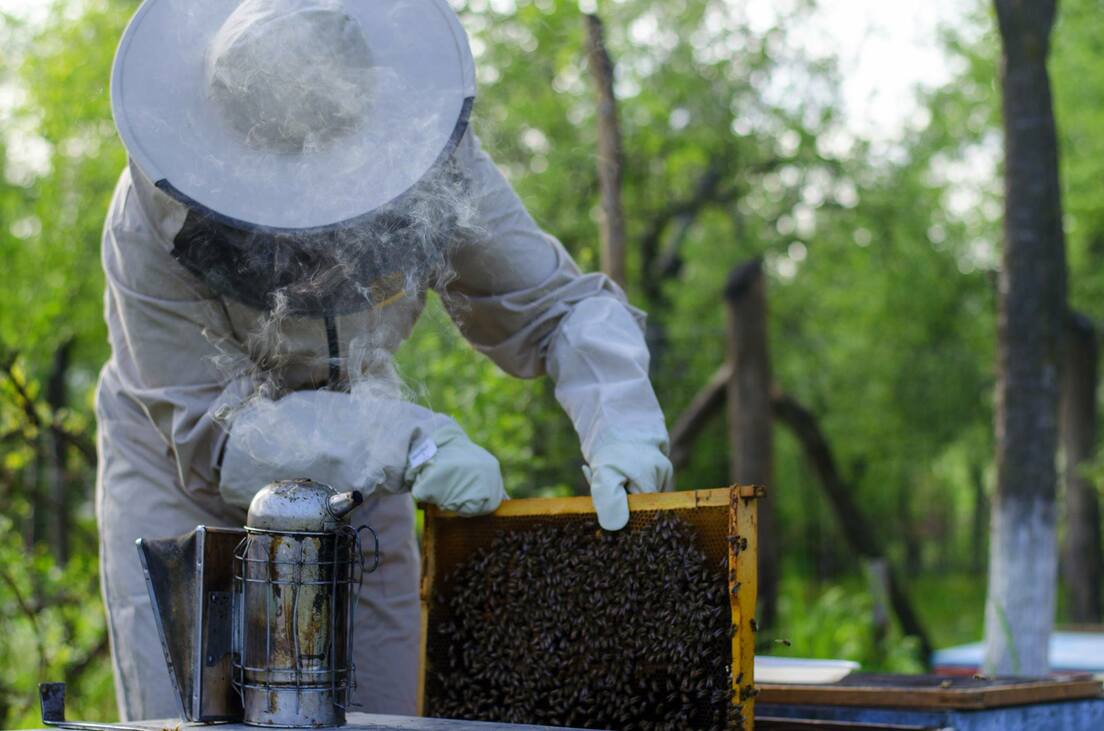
(521, 300)
(172, 349)
(178, 358)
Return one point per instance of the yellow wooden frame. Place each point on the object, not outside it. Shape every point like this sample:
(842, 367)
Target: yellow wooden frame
(742, 561)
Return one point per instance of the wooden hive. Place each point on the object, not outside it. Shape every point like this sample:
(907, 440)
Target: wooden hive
(723, 519)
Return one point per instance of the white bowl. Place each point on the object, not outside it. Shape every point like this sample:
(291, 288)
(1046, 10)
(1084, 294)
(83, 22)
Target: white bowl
(801, 671)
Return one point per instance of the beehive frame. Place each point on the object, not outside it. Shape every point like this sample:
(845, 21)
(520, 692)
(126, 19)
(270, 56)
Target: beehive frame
(448, 539)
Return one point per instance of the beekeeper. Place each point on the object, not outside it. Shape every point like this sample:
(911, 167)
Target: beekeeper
(300, 174)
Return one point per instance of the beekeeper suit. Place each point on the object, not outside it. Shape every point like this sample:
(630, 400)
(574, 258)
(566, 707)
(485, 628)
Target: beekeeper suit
(300, 174)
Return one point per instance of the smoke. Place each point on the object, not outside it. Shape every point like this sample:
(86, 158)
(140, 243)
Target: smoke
(371, 274)
(335, 307)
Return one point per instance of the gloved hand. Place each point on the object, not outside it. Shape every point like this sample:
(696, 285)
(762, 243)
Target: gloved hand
(620, 467)
(459, 476)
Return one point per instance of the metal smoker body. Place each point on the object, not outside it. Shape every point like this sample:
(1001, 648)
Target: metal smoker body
(296, 573)
(256, 623)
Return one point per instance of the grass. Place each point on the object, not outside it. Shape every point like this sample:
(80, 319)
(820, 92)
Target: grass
(952, 607)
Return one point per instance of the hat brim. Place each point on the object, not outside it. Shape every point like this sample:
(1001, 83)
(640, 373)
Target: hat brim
(422, 89)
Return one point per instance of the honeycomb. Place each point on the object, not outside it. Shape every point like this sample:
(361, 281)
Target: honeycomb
(717, 527)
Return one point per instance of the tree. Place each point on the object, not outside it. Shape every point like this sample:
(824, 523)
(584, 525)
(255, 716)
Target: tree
(1031, 319)
(1081, 552)
(610, 156)
(750, 426)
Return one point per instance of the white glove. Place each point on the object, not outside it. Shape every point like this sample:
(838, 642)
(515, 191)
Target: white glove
(620, 467)
(599, 361)
(460, 476)
(347, 441)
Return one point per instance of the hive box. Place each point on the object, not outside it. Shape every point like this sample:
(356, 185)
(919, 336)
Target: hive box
(724, 522)
(932, 701)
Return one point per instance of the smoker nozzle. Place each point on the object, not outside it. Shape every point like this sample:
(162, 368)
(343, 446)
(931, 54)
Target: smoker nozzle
(343, 503)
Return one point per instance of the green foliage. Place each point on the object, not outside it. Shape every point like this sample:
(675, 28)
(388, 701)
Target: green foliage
(1078, 82)
(953, 605)
(61, 162)
(58, 186)
(836, 621)
(51, 628)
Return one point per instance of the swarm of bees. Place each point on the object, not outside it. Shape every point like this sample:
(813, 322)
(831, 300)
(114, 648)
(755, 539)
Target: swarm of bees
(569, 625)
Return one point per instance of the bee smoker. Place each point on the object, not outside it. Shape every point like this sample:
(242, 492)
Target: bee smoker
(296, 572)
(257, 622)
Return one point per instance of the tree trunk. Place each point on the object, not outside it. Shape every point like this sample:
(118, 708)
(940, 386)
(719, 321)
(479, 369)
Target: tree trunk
(908, 533)
(610, 159)
(751, 451)
(980, 519)
(1081, 554)
(34, 527)
(1019, 612)
(878, 579)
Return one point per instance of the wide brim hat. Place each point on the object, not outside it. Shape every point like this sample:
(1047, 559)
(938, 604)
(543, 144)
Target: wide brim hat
(412, 65)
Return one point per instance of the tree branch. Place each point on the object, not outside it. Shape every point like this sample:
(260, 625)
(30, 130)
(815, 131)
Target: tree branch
(32, 615)
(26, 403)
(707, 402)
(610, 157)
(662, 265)
(708, 191)
(83, 445)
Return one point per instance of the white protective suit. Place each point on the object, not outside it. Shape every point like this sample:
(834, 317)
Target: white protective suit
(183, 357)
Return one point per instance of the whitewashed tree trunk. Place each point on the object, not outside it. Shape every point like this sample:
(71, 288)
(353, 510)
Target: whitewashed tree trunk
(1023, 558)
(1023, 575)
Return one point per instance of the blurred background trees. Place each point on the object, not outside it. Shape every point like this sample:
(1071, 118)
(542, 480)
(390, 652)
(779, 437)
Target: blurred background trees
(880, 263)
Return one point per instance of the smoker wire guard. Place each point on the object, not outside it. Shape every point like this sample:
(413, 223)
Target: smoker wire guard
(724, 520)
